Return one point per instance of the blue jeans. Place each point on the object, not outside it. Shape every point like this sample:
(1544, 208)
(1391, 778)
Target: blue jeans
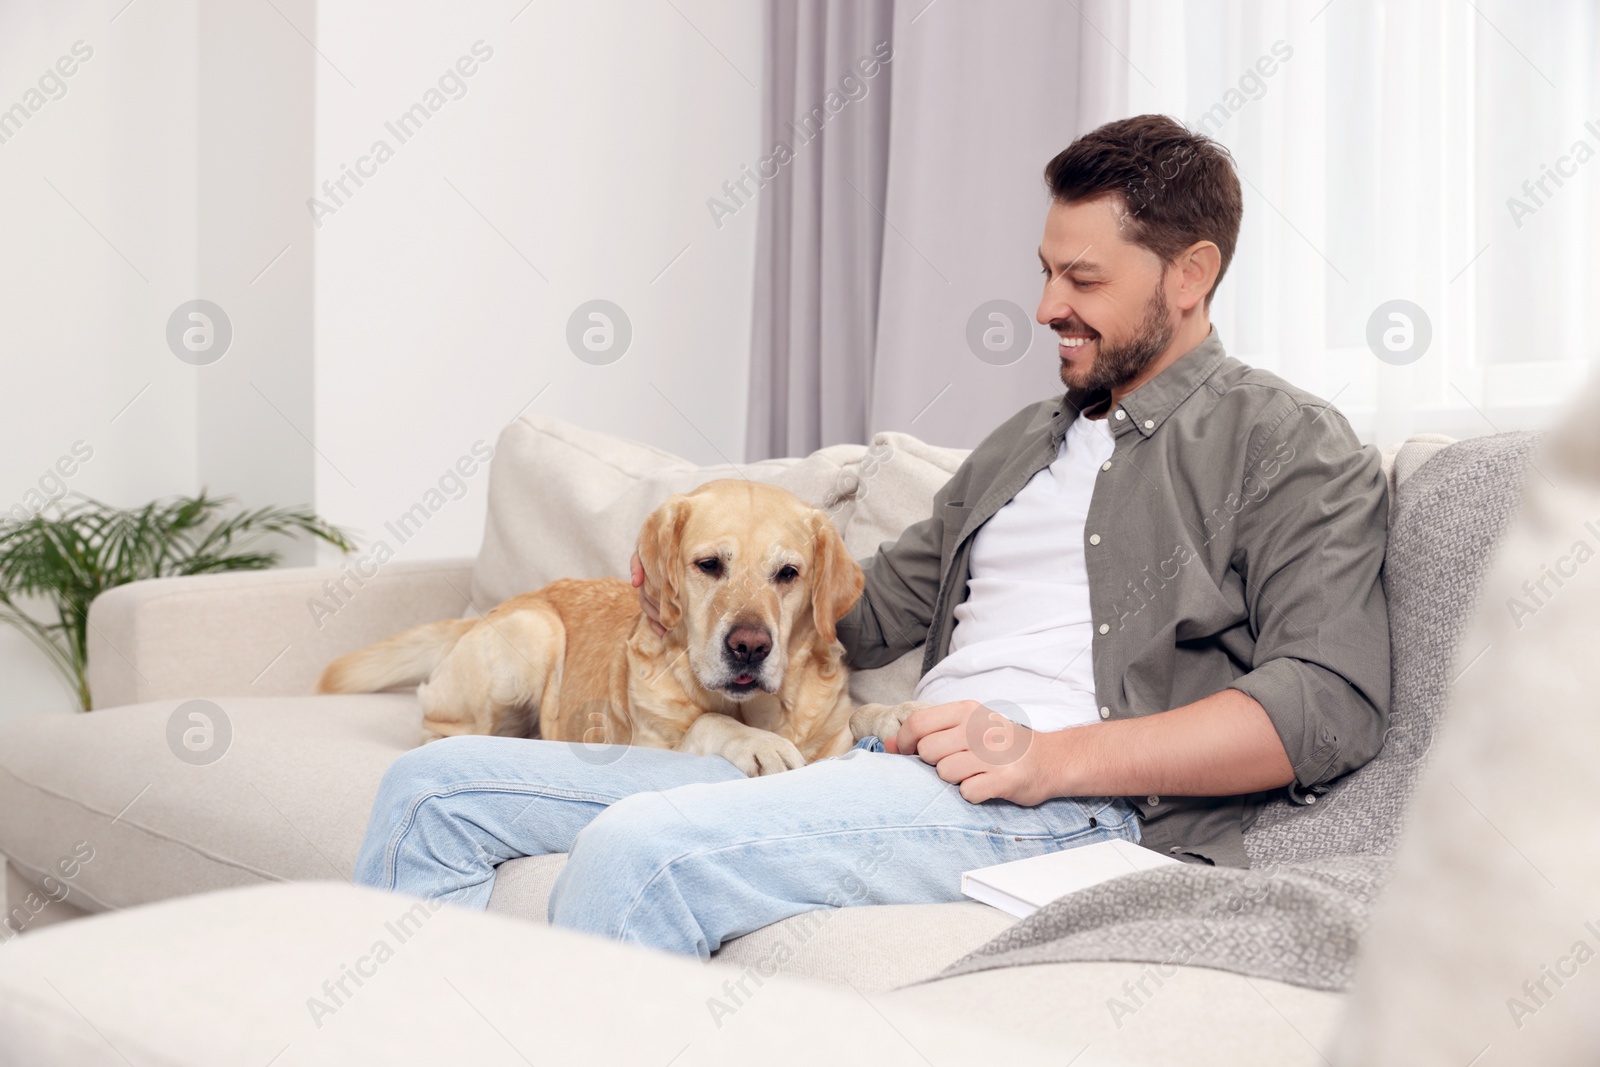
(682, 852)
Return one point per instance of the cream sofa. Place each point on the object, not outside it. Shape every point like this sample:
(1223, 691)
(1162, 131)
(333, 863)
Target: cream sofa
(260, 841)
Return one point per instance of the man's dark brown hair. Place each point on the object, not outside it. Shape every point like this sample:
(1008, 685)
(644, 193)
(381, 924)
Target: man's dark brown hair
(1180, 187)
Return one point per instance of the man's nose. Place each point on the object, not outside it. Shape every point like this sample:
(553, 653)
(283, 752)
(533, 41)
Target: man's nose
(1052, 309)
(748, 644)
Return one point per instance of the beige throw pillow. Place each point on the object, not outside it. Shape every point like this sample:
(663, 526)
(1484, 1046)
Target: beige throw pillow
(566, 502)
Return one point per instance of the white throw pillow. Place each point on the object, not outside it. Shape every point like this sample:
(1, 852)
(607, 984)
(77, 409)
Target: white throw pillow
(566, 502)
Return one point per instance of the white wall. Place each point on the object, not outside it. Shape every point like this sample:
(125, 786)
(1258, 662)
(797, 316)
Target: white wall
(406, 326)
(90, 273)
(575, 166)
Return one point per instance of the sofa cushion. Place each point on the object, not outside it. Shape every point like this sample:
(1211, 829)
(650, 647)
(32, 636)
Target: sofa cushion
(253, 976)
(522, 886)
(565, 502)
(1102, 1014)
(288, 799)
(872, 948)
(326, 973)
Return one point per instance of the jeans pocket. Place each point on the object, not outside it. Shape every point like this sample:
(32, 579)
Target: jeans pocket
(1073, 819)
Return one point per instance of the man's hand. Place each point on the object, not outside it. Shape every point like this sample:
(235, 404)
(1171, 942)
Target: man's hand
(647, 603)
(1218, 746)
(988, 754)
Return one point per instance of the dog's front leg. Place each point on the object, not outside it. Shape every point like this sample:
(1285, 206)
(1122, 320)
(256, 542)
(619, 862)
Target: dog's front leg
(755, 752)
(882, 720)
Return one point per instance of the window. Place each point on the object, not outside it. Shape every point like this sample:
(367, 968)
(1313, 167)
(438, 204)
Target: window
(1446, 154)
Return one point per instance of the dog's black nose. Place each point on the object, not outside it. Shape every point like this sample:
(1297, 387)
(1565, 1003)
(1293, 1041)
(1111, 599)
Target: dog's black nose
(749, 645)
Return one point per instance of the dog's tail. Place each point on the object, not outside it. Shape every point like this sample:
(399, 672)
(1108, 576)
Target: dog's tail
(404, 659)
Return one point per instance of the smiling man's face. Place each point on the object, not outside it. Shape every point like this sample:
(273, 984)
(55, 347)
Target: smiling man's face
(1104, 296)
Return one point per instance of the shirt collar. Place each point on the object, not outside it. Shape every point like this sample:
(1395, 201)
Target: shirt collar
(1149, 405)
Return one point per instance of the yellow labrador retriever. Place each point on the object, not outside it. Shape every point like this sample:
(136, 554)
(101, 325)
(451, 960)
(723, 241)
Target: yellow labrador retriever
(751, 582)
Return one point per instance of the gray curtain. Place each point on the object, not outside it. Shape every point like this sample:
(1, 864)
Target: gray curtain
(985, 95)
(820, 234)
(861, 323)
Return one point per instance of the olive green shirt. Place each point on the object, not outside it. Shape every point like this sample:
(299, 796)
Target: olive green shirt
(1235, 539)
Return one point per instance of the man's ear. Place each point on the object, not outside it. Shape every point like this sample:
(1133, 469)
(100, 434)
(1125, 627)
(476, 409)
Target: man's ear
(1198, 267)
(836, 578)
(659, 551)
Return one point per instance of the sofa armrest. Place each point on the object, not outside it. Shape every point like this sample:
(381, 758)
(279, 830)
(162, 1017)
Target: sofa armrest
(255, 633)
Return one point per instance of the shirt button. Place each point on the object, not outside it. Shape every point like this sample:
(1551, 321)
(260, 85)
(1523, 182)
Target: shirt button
(1104, 628)
(1094, 539)
(1105, 713)
(1121, 414)
(1149, 424)
(1106, 465)
(1152, 800)
(1311, 798)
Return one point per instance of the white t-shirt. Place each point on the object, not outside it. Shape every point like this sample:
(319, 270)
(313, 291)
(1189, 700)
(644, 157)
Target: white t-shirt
(1022, 637)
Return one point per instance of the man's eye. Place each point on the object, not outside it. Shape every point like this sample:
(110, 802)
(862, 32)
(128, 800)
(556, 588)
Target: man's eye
(709, 566)
(786, 574)
(1085, 285)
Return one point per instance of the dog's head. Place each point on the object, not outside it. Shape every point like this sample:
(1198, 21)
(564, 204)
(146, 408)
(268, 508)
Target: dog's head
(746, 574)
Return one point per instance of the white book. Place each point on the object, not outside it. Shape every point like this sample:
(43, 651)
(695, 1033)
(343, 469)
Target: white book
(1022, 887)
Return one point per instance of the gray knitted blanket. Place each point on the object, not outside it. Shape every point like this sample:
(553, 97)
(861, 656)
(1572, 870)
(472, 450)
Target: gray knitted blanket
(1297, 914)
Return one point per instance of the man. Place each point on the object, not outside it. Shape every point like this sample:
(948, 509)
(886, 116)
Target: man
(1147, 606)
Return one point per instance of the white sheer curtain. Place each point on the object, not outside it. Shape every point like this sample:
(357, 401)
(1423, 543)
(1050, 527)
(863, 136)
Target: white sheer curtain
(1380, 143)
(1379, 160)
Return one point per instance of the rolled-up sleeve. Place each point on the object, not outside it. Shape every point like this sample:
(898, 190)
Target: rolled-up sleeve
(1311, 552)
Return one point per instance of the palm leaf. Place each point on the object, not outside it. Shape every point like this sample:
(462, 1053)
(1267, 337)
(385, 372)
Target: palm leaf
(83, 547)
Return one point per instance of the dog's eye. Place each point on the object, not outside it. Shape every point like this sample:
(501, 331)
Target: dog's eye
(786, 574)
(712, 566)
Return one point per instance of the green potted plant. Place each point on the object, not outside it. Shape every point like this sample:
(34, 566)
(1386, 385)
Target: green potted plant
(82, 548)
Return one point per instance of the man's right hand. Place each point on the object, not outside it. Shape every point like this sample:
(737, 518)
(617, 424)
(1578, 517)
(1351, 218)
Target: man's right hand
(647, 603)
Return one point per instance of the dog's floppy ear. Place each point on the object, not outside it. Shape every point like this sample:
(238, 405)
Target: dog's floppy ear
(836, 578)
(659, 548)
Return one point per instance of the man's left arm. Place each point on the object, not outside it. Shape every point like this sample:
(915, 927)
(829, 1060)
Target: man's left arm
(1312, 554)
(1315, 703)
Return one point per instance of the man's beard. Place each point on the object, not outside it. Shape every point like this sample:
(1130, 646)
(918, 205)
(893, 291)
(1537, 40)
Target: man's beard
(1114, 366)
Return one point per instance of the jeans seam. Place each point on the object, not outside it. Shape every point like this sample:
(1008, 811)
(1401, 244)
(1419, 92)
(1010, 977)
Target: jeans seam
(633, 905)
(391, 857)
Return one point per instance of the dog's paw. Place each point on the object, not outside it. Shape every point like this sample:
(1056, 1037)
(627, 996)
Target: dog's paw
(882, 720)
(763, 753)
